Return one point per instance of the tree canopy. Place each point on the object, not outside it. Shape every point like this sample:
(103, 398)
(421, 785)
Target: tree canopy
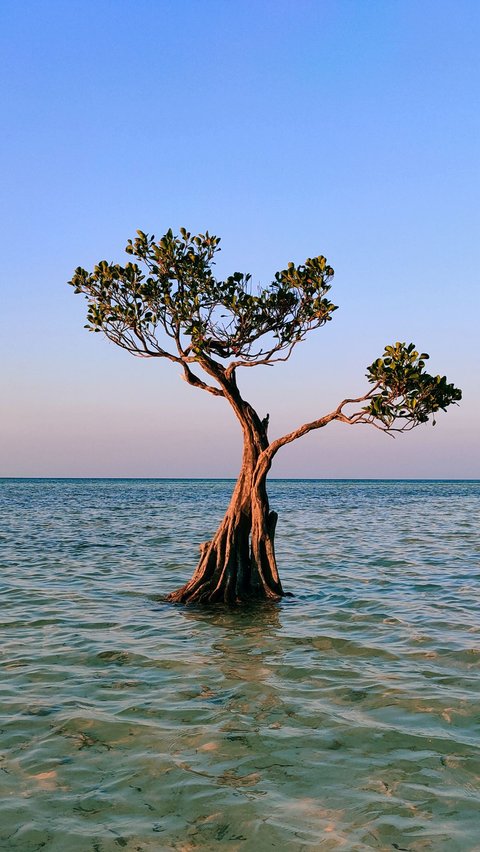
(167, 303)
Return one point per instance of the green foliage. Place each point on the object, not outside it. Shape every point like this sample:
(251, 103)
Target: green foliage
(408, 395)
(166, 302)
(170, 290)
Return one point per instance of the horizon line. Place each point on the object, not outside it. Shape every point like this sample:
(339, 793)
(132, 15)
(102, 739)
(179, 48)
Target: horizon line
(234, 478)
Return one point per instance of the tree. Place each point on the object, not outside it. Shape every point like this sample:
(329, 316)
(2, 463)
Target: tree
(170, 305)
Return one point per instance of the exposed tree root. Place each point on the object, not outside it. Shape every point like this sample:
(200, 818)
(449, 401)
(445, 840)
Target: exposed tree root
(238, 565)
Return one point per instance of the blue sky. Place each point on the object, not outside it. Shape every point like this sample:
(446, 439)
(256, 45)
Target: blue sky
(288, 128)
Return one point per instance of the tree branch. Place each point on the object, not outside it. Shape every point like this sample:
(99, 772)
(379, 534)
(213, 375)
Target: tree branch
(192, 379)
(266, 458)
(268, 361)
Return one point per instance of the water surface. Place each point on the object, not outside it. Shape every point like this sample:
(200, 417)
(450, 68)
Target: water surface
(347, 717)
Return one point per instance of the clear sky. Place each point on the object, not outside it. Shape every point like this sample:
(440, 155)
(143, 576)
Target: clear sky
(287, 127)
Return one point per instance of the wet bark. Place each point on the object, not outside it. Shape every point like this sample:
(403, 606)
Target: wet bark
(239, 563)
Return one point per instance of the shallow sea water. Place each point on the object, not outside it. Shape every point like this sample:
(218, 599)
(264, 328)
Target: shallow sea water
(346, 717)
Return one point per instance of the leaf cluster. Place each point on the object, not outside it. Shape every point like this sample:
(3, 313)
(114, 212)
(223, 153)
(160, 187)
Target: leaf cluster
(407, 395)
(170, 289)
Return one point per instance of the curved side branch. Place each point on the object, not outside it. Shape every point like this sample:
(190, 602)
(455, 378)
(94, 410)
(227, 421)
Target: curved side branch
(192, 379)
(266, 458)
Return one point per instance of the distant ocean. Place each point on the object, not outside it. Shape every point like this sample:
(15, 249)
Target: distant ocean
(346, 717)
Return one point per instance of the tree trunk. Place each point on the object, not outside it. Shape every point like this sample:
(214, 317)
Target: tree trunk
(238, 564)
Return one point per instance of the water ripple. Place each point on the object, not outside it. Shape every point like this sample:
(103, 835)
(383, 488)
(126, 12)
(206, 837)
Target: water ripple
(344, 718)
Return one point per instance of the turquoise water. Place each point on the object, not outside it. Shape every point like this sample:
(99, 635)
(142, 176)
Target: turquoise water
(346, 717)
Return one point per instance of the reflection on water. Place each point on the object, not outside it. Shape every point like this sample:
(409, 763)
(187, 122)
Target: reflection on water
(343, 718)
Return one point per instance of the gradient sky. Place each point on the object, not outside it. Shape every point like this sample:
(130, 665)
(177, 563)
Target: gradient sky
(341, 127)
